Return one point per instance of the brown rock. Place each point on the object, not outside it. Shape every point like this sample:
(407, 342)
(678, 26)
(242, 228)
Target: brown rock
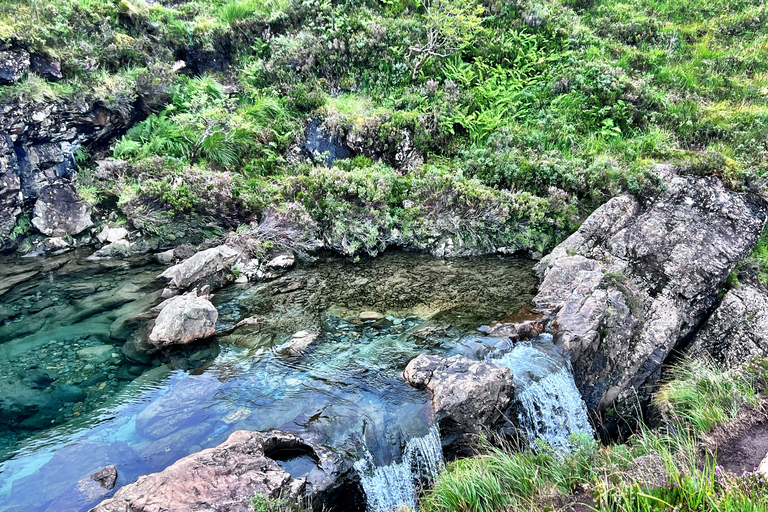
(467, 397)
(227, 477)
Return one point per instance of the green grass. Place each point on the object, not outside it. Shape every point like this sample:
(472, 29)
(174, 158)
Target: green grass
(569, 102)
(703, 396)
(760, 257)
(263, 504)
(262, 10)
(698, 398)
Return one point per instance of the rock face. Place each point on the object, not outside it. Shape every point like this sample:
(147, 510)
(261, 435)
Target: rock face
(737, 330)
(467, 397)
(59, 212)
(38, 139)
(13, 65)
(227, 477)
(202, 266)
(46, 67)
(184, 319)
(636, 279)
(10, 187)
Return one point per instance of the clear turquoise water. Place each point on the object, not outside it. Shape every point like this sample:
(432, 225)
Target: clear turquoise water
(346, 391)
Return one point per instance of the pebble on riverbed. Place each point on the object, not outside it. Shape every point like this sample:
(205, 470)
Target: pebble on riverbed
(60, 380)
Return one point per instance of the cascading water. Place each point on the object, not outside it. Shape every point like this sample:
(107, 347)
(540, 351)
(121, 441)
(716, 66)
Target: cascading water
(550, 406)
(394, 487)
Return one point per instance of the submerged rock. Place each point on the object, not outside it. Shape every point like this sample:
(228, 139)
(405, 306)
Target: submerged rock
(98, 354)
(227, 477)
(184, 319)
(467, 397)
(636, 279)
(86, 492)
(737, 330)
(298, 343)
(201, 266)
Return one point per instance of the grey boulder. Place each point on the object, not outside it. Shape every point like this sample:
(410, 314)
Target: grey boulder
(468, 397)
(184, 319)
(201, 266)
(637, 278)
(59, 212)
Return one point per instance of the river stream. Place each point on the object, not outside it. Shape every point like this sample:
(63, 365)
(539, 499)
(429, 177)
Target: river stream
(63, 322)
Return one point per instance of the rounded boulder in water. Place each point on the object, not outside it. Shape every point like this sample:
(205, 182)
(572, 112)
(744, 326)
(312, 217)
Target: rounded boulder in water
(368, 316)
(69, 393)
(99, 354)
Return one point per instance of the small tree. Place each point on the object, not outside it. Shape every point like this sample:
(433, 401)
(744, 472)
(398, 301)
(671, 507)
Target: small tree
(450, 25)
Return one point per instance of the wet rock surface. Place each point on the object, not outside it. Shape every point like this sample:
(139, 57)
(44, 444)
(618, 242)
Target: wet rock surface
(636, 279)
(184, 319)
(737, 330)
(468, 397)
(201, 267)
(227, 477)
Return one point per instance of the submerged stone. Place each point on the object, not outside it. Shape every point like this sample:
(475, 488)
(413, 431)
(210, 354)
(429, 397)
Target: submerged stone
(97, 355)
(369, 316)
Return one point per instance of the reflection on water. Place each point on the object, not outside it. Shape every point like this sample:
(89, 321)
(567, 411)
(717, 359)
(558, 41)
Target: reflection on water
(344, 390)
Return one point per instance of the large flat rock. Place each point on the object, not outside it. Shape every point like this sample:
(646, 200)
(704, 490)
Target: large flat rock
(227, 477)
(638, 277)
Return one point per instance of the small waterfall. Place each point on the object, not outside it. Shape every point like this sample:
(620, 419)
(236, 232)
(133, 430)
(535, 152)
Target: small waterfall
(394, 488)
(550, 406)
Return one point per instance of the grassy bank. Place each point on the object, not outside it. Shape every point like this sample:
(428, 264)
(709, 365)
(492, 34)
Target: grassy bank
(542, 108)
(673, 467)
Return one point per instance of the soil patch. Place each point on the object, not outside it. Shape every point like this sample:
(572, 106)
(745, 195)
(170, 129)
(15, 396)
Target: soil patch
(578, 502)
(746, 451)
(741, 445)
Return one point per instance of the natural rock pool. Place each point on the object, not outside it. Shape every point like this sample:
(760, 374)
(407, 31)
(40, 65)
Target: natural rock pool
(305, 363)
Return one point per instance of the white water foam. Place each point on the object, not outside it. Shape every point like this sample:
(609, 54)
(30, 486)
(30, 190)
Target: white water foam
(550, 406)
(395, 487)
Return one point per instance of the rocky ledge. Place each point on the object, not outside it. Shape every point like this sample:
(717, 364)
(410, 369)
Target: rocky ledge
(737, 330)
(226, 478)
(638, 278)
